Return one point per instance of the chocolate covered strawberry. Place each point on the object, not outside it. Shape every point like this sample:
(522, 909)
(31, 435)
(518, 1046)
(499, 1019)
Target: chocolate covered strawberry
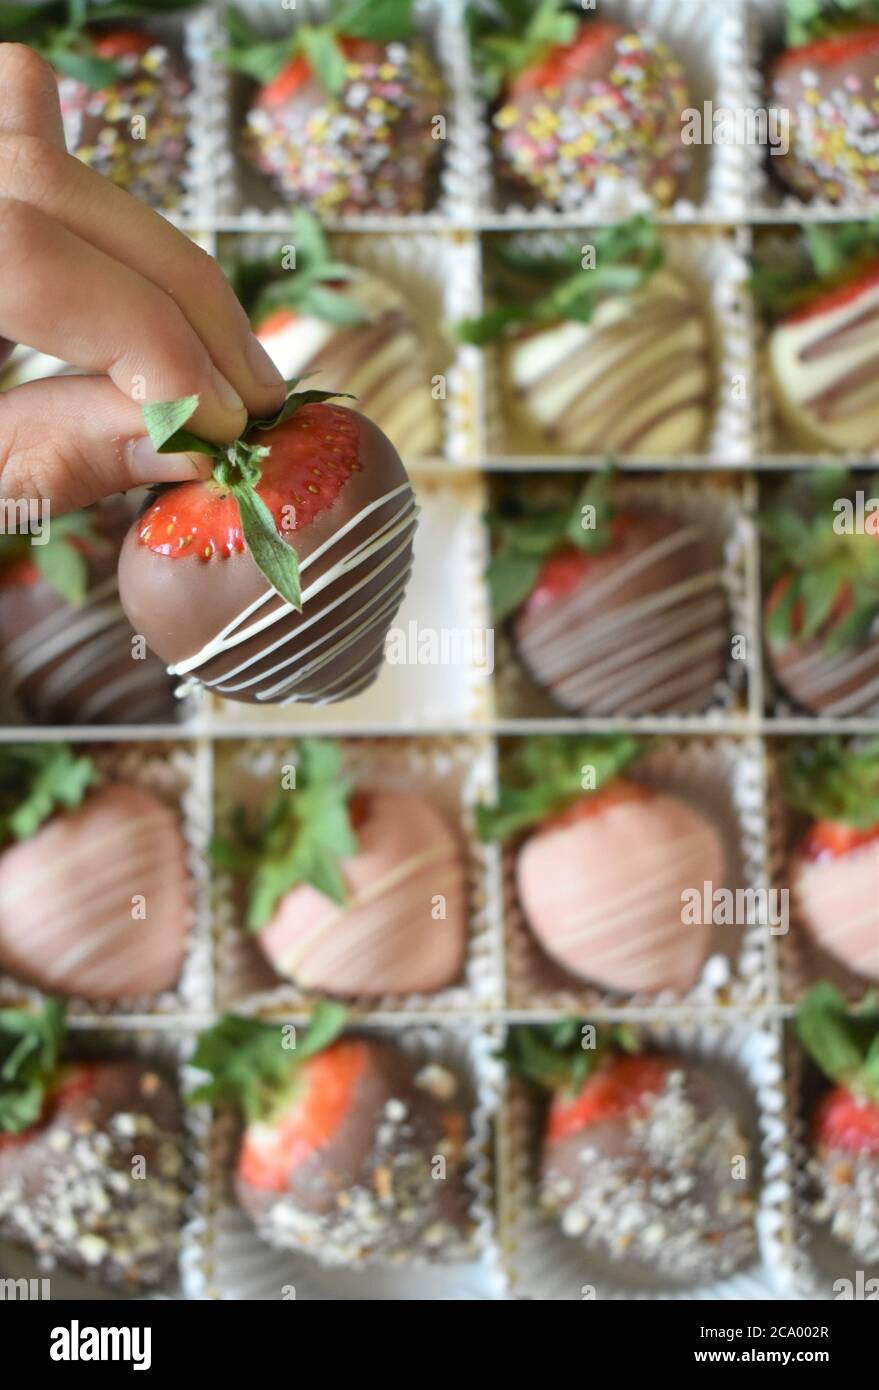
(67, 653)
(277, 579)
(834, 870)
(606, 357)
(356, 330)
(639, 1151)
(845, 1122)
(614, 611)
(344, 119)
(352, 1150)
(344, 887)
(91, 1164)
(94, 886)
(124, 90)
(827, 80)
(601, 875)
(822, 605)
(580, 107)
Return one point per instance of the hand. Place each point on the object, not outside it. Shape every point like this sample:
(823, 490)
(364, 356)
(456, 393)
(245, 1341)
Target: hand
(89, 274)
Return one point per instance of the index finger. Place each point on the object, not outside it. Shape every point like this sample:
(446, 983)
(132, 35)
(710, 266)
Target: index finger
(29, 95)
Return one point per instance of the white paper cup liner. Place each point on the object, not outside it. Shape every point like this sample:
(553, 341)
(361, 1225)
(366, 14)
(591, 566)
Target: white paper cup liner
(720, 512)
(453, 775)
(446, 599)
(168, 1050)
(717, 273)
(178, 773)
(435, 274)
(235, 1264)
(546, 1265)
(722, 777)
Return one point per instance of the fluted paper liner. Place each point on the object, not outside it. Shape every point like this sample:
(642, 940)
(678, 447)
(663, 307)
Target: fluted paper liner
(235, 1263)
(405, 697)
(178, 773)
(546, 1265)
(169, 1052)
(453, 776)
(721, 514)
(722, 778)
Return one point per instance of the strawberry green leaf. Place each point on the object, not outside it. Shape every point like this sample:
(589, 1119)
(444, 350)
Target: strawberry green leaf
(304, 835)
(507, 37)
(277, 560)
(543, 776)
(37, 779)
(326, 58)
(827, 779)
(383, 21)
(253, 1064)
(165, 418)
(552, 1055)
(63, 567)
(30, 1043)
(840, 1039)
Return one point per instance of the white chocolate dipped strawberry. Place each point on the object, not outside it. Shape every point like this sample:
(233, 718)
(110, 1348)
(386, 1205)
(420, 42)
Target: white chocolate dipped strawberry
(327, 319)
(834, 870)
(94, 887)
(614, 356)
(602, 877)
(353, 895)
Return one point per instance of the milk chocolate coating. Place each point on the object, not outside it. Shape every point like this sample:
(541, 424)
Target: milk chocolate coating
(181, 604)
(644, 632)
(68, 1189)
(369, 1193)
(74, 663)
(834, 124)
(672, 1167)
(823, 681)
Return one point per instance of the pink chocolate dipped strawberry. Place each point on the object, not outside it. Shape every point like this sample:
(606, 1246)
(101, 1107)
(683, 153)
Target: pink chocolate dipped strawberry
(361, 894)
(277, 579)
(834, 870)
(91, 1162)
(626, 617)
(94, 886)
(581, 107)
(845, 1122)
(637, 1159)
(602, 876)
(352, 1150)
(345, 117)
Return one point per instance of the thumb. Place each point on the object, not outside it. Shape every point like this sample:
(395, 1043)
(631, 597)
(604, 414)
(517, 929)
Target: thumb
(74, 440)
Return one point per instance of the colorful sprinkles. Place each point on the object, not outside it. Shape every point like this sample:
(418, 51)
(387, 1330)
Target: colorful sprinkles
(134, 131)
(562, 142)
(368, 150)
(834, 130)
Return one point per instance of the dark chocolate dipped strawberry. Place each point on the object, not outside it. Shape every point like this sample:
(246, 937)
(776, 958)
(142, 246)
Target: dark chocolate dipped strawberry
(638, 1159)
(351, 1151)
(67, 652)
(845, 1123)
(324, 316)
(581, 107)
(605, 862)
(834, 870)
(606, 357)
(343, 884)
(821, 609)
(94, 887)
(277, 579)
(91, 1168)
(124, 91)
(344, 118)
(827, 80)
(614, 610)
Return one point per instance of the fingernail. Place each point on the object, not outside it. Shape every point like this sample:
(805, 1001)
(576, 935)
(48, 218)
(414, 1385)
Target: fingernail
(147, 465)
(225, 392)
(264, 370)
